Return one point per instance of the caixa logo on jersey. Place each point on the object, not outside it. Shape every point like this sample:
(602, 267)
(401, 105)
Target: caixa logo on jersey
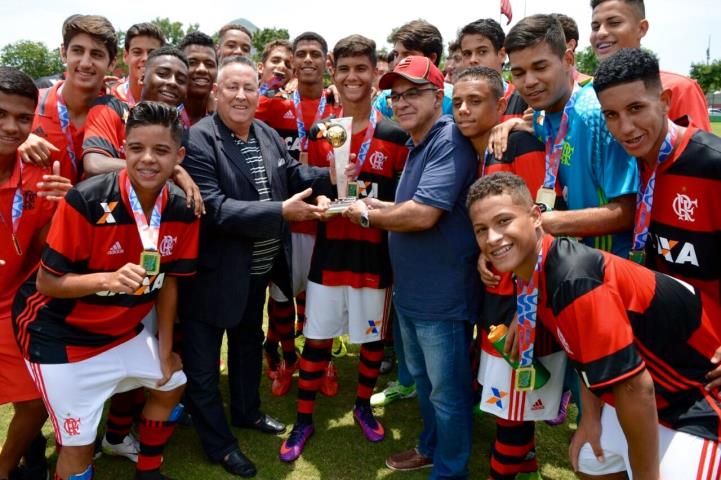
(673, 251)
(150, 285)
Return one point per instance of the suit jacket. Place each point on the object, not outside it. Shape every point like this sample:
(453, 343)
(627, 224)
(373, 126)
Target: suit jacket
(236, 218)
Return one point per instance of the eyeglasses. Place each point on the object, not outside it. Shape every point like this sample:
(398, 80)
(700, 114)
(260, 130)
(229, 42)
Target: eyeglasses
(410, 95)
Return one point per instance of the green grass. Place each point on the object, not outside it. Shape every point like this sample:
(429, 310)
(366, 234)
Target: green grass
(716, 128)
(337, 451)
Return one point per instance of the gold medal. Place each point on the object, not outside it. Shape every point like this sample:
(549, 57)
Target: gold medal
(303, 158)
(150, 261)
(525, 378)
(546, 196)
(638, 256)
(352, 190)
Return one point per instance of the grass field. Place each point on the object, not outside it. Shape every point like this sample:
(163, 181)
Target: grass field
(337, 451)
(716, 128)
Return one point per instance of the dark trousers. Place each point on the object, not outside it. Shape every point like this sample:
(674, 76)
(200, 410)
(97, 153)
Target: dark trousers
(201, 356)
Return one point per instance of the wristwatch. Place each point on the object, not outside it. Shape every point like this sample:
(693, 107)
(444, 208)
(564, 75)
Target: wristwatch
(364, 220)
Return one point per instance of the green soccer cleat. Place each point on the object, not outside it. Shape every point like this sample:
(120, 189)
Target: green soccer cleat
(394, 391)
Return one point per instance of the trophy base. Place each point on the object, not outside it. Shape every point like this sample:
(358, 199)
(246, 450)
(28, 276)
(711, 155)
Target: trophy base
(339, 206)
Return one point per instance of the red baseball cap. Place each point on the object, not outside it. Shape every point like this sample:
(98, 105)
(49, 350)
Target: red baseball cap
(415, 69)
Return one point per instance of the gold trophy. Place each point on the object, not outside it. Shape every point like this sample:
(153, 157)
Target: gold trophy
(337, 132)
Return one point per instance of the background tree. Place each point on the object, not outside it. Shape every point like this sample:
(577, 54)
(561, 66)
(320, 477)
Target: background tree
(33, 58)
(174, 31)
(586, 61)
(266, 35)
(707, 76)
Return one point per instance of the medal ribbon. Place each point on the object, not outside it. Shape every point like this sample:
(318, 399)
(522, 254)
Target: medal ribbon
(64, 117)
(302, 132)
(370, 131)
(149, 232)
(487, 156)
(184, 118)
(129, 98)
(644, 197)
(16, 212)
(527, 307)
(554, 146)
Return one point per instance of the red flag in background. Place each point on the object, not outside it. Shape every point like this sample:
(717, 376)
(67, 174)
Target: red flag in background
(506, 10)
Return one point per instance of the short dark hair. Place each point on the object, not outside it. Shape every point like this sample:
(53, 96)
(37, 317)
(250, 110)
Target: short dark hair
(310, 37)
(489, 75)
(355, 46)
(166, 51)
(569, 26)
(497, 184)
(145, 29)
(421, 36)
(272, 45)
(626, 66)
(233, 26)
(196, 38)
(636, 4)
(237, 59)
(486, 27)
(454, 46)
(534, 30)
(155, 113)
(17, 82)
(96, 26)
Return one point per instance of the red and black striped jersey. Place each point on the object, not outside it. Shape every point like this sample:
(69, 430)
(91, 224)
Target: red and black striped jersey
(685, 231)
(279, 113)
(516, 105)
(36, 214)
(94, 231)
(346, 254)
(614, 318)
(105, 127)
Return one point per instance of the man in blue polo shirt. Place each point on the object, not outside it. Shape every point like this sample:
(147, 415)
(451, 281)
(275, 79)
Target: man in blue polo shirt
(436, 291)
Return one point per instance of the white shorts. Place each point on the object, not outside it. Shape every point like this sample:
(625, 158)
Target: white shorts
(303, 244)
(74, 393)
(683, 456)
(334, 311)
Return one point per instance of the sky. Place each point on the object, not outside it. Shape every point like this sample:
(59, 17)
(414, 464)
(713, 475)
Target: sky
(679, 31)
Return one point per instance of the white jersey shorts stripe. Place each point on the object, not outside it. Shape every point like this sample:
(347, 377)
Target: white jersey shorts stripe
(334, 311)
(74, 393)
(683, 456)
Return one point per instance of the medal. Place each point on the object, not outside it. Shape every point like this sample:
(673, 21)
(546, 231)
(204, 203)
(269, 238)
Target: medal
(638, 256)
(149, 231)
(525, 378)
(547, 197)
(526, 309)
(352, 190)
(150, 261)
(644, 200)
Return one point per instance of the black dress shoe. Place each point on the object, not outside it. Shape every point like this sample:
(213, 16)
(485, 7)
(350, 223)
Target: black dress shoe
(265, 424)
(236, 463)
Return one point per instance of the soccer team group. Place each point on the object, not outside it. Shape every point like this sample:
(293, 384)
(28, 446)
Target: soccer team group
(520, 245)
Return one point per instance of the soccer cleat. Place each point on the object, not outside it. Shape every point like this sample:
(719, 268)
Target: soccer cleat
(339, 347)
(394, 391)
(562, 410)
(283, 378)
(292, 447)
(128, 448)
(329, 383)
(371, 427)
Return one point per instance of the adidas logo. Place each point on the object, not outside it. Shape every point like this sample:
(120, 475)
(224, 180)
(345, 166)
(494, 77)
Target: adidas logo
(537, 405)
(289, 115)
(116, 249)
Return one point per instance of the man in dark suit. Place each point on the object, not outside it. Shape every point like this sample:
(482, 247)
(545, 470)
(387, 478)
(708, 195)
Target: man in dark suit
(251, 187)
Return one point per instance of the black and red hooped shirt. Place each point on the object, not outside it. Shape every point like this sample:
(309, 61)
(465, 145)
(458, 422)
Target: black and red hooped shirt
(94, 231)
